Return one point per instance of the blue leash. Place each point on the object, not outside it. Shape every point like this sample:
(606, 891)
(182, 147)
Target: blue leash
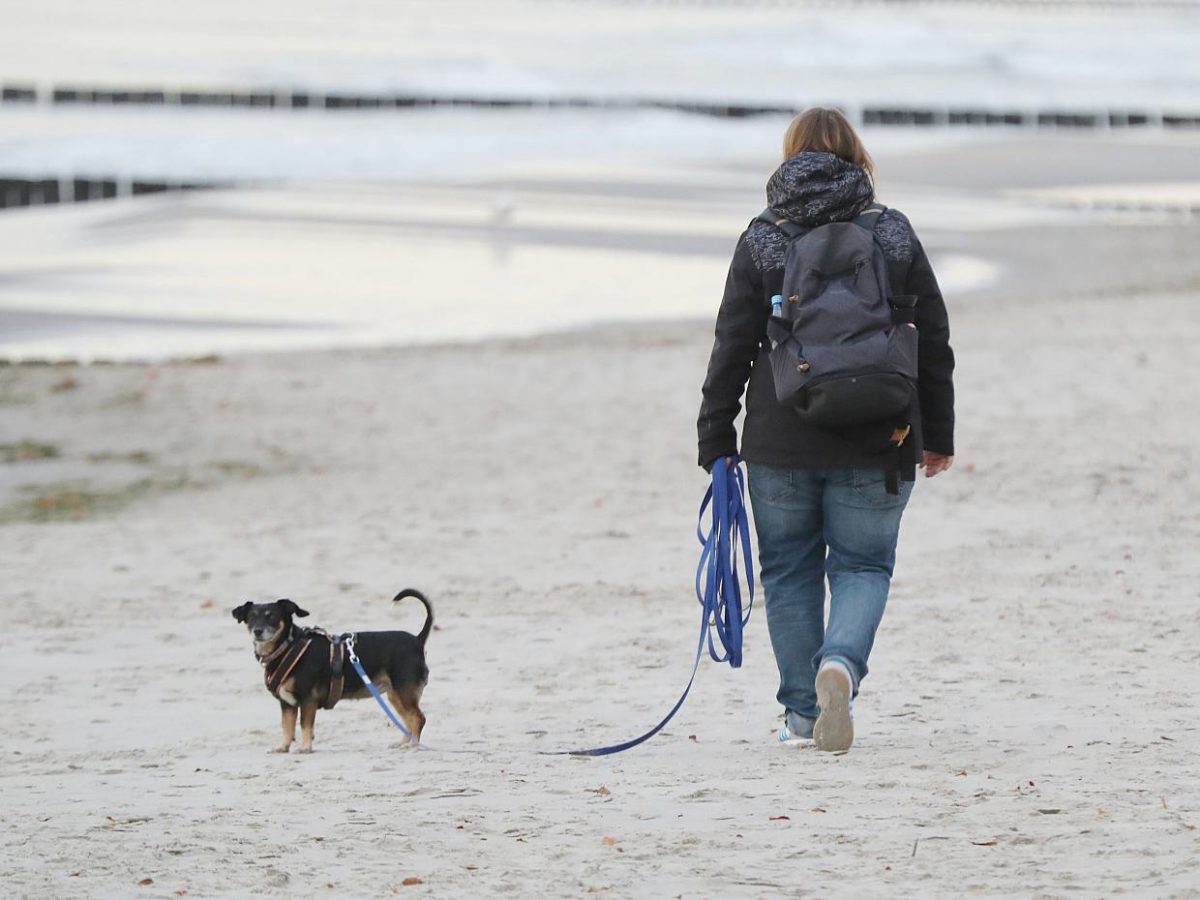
(718, 589)
(353, 657)
(717, 586)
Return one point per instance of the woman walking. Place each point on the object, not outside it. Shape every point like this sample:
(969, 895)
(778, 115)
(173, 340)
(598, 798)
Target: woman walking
(824, 506)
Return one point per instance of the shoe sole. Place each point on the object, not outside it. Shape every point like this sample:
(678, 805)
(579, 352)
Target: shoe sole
(834, 729)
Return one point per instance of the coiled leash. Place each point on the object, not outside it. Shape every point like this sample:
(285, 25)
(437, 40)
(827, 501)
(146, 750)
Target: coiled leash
(717, 586)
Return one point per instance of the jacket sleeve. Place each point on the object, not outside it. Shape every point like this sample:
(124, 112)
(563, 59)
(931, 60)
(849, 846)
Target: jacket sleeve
(741, 325)
(935, 358)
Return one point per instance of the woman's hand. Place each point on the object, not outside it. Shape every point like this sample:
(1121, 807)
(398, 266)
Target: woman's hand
(708, 466)
(935, 463)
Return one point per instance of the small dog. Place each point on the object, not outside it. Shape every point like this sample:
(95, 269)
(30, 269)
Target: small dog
(305, 668)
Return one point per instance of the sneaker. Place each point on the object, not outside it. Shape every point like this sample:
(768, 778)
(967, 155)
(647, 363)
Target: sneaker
(834, 728)
(796, 729)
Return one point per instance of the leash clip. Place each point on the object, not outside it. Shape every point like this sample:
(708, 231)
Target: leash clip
(350, 654)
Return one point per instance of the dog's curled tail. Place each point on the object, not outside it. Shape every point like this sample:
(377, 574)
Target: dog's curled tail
(428, 626)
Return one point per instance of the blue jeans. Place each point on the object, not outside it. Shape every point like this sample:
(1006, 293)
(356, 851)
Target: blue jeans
(813, 523)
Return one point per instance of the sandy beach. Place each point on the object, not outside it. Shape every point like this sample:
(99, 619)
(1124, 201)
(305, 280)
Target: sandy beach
(1028, 728)
(461, 350)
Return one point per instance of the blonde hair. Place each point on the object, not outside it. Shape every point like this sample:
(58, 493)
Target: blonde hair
(826, 129)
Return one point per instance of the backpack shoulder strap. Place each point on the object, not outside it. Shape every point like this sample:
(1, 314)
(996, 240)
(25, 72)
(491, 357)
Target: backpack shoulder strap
(869, 217)
(788, 227)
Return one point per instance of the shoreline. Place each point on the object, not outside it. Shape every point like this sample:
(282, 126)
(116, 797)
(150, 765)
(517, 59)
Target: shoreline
(540, 248)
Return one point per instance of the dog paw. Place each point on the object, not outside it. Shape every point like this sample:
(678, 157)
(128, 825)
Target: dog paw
(284, 748)
(305, 750)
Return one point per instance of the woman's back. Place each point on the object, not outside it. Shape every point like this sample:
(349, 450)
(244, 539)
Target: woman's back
(825, 505)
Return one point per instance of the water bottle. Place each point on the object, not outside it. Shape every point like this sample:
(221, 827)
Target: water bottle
(776, 326)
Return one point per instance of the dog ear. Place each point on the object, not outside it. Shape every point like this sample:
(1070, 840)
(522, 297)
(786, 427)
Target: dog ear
(242, 611)
(291, 609)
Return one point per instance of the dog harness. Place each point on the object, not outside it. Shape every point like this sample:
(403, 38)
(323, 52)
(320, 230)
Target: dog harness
(337, 656)
(282, 661)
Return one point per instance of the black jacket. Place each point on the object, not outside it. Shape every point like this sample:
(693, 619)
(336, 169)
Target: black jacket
(813, 189)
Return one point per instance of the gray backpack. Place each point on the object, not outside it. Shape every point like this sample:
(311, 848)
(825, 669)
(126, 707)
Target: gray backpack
(843, 348)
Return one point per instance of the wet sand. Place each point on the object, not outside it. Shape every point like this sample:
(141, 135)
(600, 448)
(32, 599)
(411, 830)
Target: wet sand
(544, 247)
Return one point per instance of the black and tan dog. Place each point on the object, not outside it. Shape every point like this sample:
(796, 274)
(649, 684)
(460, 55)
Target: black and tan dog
(305, 668)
